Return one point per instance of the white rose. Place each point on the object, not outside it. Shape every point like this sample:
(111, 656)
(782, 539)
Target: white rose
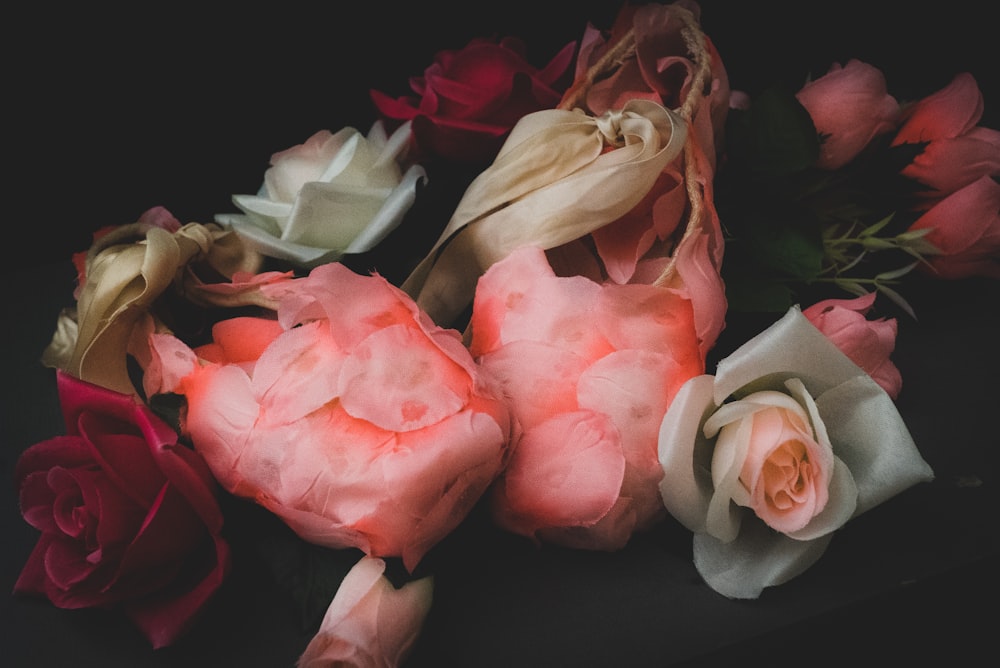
(336, 194)
(768, 458)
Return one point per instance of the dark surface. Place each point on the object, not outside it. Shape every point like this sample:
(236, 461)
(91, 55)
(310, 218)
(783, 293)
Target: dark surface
(113, 114)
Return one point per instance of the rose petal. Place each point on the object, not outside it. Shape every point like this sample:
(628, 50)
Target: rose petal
(566, 471)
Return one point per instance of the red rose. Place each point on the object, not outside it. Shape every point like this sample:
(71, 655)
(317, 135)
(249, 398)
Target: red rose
(128, 517)
(467, 100)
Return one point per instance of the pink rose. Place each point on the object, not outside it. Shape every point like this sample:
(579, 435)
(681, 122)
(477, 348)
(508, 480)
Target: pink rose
(128, 516)
(588, 371)
(868, 343)
(850, 106)
(352, 417)
(965, 227)
(778, 465)
(468, 100)
(369, 622)
(957, 151)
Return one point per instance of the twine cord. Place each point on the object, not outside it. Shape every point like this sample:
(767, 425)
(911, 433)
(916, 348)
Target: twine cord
(618, 54)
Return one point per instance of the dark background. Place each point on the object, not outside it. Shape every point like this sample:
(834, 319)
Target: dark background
(110, 113)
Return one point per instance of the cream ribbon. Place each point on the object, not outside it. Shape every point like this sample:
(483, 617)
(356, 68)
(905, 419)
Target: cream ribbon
(559, 176)
(124, 279)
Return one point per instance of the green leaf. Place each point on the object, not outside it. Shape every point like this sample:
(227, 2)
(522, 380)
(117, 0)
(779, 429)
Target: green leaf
(874, 229)
(775, 137)
(851, 286)
(791, 249)
(895, 273)
(898, 299)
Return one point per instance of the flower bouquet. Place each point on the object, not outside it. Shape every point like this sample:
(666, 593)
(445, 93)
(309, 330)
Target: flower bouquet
(553, 332)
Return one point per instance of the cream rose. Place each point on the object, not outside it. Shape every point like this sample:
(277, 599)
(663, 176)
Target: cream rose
(336, 194)
(768, 458)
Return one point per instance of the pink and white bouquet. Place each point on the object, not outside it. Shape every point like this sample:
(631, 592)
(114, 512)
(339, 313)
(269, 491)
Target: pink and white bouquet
(550, 351)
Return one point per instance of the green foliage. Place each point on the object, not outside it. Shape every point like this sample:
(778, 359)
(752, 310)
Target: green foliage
(774, 138)
(791, 227)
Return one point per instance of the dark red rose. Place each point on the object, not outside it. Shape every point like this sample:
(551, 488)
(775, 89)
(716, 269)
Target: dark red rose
(128, 516)
(468, 100)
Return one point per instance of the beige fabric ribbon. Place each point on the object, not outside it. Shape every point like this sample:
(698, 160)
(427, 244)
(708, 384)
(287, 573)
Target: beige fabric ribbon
(124, 278)
(559, 176)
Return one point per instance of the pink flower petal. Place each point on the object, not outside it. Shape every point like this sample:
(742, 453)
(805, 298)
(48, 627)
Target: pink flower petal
(566, 471)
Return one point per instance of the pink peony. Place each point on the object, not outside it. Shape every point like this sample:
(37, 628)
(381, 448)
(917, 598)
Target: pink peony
(868, 343)
(849, 105)
(966, 229)
(369, 622)
(352, 417)
(468, 100)
(588, 371)
(958, 151)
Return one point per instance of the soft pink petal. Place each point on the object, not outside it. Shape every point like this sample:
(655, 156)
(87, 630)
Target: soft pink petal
(849, 106)
(396, 379)
(500, 288)
(538, 380)
(966, 228)
(369, 621)
(566, 471)
(298, 373)
(947, 113)
(947, 165)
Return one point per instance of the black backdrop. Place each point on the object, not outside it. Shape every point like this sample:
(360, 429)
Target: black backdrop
(109, 113)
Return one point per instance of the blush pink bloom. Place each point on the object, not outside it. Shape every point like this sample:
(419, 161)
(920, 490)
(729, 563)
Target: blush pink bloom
(588, 371)
(128, 516)
(965, 227)
(849, 105)
(352, 417)
(868, 343)
(466, 102)
(958, 151)
(768, 457)
(370, 623)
